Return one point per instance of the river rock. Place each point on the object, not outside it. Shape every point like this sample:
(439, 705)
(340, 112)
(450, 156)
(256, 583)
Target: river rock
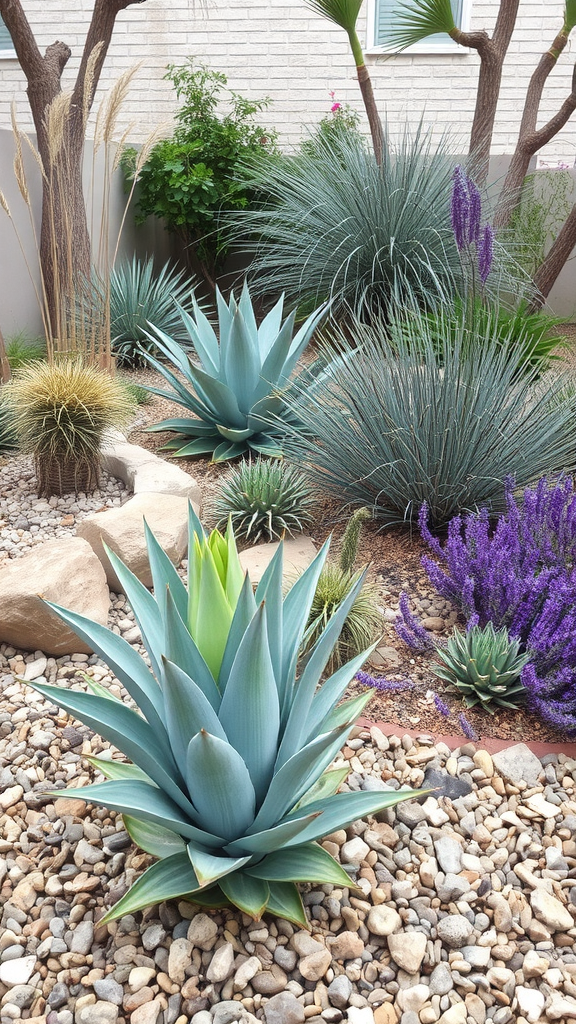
(518, 764)
(408, 949)
(550, 911)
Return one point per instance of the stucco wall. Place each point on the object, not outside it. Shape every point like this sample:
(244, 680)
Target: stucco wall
(284, 50)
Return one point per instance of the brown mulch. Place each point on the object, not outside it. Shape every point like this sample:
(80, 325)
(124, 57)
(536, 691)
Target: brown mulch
(394, 557)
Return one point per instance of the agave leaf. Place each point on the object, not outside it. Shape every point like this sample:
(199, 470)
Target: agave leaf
(328, 784)
(218, 398)
(273, 838)
(269, 590)
(233, 434)
(153, 838)
(250, 712)
(172, 349)
(225, 316)
(302, 337)
(265, 413)
(275, 369)
(183, 426)
(120, 770)
(228, 450)
(221, 786)
(165, 880)
(139, 800)
(209, 867)
(164, 575)
(296, 611)
(285, 901)
(203, 338)
(296, 776)
(348, 712)
(243, 615)
(269, 329)
(145, 610)
(297, 726)
(127, 731)
(234, 572)
(331, 692)
(201, 446)
(125, 662)
(241, 367)
(250, 895)
(181, 394)
(246, 309)
(213, 616)
(97, 689)
(188, 710)
(211, 897)
(181, 650)
(340, 810)
(307, 863)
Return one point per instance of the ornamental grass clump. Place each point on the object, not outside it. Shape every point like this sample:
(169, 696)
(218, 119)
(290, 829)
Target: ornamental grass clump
(520, 573)
(411, 414)
(59, 413)
(263, 499)
(236, 393)
(227, 781)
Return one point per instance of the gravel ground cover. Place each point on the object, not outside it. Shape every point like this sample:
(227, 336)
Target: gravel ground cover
(464, 911)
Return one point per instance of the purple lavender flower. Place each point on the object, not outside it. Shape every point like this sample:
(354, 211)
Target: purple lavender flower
(384, 685)
(410, 629)
(485, 248)
(460, 207)
(441, 706)
(467, 729)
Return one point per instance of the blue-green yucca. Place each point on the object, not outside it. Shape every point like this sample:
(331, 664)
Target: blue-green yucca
(228, 784)
(236, 394)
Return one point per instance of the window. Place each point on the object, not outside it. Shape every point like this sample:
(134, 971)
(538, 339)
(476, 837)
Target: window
(381, 15)
(6, 45)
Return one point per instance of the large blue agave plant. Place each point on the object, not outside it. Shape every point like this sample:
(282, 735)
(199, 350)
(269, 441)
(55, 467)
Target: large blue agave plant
(228, 784)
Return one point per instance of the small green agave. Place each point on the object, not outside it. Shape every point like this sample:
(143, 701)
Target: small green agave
(485, 666)
(228, 781)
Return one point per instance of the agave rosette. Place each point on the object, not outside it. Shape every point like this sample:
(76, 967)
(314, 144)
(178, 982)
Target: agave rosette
(229, 783)
(236, 397)
(485, 666)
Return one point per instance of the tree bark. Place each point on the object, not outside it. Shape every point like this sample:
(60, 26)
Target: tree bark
(64, 238)
(529, 139)
(492, 52)
(374, 121)
(549, 270)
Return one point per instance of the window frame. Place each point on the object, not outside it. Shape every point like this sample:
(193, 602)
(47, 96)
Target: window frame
(445, 46)
(6, 52)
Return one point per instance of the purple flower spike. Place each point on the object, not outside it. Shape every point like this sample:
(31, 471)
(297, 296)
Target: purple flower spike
(467, 729)
(384, 685)
(441, 706)
(460, 207)
(485, 252)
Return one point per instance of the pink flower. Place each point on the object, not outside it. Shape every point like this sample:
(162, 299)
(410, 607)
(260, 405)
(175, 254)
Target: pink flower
(335, 107)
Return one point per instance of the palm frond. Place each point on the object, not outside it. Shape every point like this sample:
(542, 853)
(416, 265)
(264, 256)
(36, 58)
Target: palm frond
(342, 12)
(411, 23)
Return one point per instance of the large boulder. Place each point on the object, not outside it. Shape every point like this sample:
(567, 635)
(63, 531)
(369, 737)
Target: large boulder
(122, 529)
(144, 471)
(65, 571)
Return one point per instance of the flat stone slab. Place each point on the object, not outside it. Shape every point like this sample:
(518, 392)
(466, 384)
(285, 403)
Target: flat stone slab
(518, 764)
(65, 571)
(298, 553)
(143, 471)
(122, 529)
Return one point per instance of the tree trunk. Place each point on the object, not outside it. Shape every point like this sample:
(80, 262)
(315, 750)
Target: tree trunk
(549, 270)
(530, 140)
(374, 121)
(64, 238)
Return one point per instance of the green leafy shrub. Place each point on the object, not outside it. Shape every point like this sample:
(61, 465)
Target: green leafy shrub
(363, 623)
(190, 177)
(263, 499)
(341, 122)
(418, 424)
(228, 783)
(59, 413)
(485, 666)
(334, 224)
(533, 339)
(138, 298)
(236, 391)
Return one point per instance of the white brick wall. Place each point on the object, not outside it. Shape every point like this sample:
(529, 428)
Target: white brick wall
(281, 49)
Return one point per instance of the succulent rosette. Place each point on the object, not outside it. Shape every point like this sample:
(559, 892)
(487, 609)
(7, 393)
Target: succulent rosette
(230, 744)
